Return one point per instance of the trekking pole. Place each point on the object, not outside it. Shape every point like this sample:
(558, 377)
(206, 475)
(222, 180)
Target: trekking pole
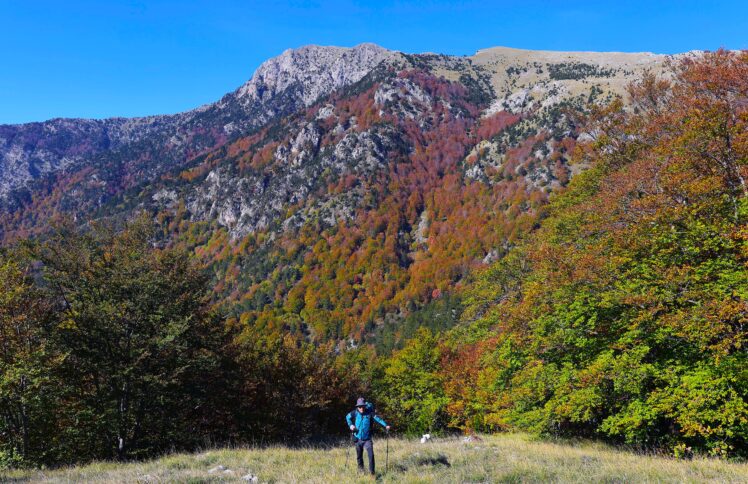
(387, 453)
(348, 452)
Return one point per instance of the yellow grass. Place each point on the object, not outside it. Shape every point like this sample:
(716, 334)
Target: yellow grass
(499, 458)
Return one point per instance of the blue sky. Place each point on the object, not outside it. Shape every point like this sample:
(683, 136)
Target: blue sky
(126, 58)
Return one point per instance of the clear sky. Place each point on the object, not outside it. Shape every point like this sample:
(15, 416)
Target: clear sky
(102, 58)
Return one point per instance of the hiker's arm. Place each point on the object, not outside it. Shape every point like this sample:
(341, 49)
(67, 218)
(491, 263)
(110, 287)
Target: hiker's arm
(380, 421)
(348, 419)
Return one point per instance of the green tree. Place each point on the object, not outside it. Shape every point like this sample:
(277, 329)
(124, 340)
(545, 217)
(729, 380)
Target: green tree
(136, 331)
(27, 390)
(412, 388)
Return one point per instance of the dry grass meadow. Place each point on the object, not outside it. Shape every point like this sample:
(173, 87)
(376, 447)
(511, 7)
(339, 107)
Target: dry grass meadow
(498, 458)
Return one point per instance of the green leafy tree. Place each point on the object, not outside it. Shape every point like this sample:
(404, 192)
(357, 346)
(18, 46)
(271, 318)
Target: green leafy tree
(412, 388)
(27, 389)
(136, 333)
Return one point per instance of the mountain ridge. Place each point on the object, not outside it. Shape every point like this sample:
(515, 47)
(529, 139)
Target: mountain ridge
(25, 154)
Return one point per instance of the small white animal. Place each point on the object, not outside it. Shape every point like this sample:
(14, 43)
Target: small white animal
(425, 438)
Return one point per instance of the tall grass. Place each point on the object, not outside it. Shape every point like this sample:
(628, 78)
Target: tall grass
(499, 458)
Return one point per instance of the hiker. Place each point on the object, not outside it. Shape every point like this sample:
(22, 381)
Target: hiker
(359, 421)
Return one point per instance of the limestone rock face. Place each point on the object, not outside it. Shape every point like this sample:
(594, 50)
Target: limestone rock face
(311, 72)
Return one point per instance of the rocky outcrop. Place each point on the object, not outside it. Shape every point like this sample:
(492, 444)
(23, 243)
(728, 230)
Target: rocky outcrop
(304, 75)
(257, 200)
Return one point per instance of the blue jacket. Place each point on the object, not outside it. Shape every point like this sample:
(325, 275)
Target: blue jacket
(362, 421)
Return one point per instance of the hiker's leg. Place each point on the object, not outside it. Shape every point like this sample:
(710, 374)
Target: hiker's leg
(370, 450)
(360, 454)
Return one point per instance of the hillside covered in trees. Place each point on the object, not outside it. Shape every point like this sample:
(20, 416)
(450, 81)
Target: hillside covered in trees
(570, 267)
(624, 315)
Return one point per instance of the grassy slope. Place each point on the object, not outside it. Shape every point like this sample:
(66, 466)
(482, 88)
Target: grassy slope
(502, 458)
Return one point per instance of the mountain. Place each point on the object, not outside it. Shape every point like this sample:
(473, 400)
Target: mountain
(281, 86)
(32, 154)
(340, 192)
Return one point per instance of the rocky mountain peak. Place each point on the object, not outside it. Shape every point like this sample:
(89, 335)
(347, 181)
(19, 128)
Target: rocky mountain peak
(314, 70)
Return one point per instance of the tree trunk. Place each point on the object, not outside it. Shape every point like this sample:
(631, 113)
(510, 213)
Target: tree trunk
(24, 421)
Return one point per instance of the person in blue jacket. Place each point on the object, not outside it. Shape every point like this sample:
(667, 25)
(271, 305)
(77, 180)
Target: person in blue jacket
(359, 421)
